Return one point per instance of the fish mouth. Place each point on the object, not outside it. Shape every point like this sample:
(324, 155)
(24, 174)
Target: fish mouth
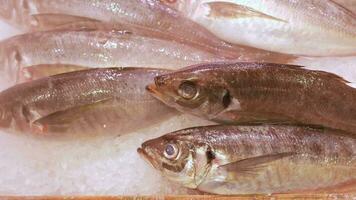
(163, 97)
(142, 153)
(152, 88)
(148, 158)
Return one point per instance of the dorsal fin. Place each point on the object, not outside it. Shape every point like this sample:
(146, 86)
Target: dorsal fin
(232, 10)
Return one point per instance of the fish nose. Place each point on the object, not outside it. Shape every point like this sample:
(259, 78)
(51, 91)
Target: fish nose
(144, 155)
(140, 151)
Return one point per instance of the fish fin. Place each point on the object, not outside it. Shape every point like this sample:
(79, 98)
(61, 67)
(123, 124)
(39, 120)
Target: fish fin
(61, 121)
(39, 71)
(251, 166)
(57, 21)
(232, 10)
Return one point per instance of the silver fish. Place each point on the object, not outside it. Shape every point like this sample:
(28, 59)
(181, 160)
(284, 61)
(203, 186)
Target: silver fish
(301, 27)
(112, 100)
(146, 14)
(95, 49)
(247, 91)
(254, 159)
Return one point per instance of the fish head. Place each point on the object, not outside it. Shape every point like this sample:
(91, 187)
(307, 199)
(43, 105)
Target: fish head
(200, 93)
(175, 157)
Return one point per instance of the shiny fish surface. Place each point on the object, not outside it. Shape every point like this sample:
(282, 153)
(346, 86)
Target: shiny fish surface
(151, 15)
(250, 159)
(245, 92)
(95, 49)
(301, 27)
(146, 13)
(112, 100)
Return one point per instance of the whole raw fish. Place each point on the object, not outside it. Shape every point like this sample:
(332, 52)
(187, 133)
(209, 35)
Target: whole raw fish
(250, 159)
(112, 100)
(301, 27)
(92, 48)
(146, 13)
(235, 92)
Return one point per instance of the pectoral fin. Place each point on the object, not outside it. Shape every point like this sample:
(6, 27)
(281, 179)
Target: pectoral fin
(252, 166)
(232, 10)
(61, 121)
(55, 21)
(40, 71)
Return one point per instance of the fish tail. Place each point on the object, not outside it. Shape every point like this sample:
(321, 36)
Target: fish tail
(250, 54)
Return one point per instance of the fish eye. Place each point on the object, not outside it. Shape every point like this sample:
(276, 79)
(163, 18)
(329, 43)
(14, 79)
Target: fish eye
(171, 151)
(188, 90)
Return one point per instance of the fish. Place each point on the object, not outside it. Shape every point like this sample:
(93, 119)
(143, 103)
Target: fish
(300, 27)
(93, 48)
(93, 101)
(162, 21)
(255, 159)
(264, 92)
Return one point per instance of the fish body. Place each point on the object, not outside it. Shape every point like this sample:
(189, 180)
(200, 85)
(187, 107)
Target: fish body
(95, 49)
(245, 92)
(87, 101)
(144, 13)
(151, 15)
(250, 159)
(302, 27)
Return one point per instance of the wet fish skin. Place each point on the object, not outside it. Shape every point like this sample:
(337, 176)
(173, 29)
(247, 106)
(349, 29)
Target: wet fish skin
(238, 92)
(161, 18)
(112, 100)
(95, 49)
(162, 21)
(302, 27)
(244, 159)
